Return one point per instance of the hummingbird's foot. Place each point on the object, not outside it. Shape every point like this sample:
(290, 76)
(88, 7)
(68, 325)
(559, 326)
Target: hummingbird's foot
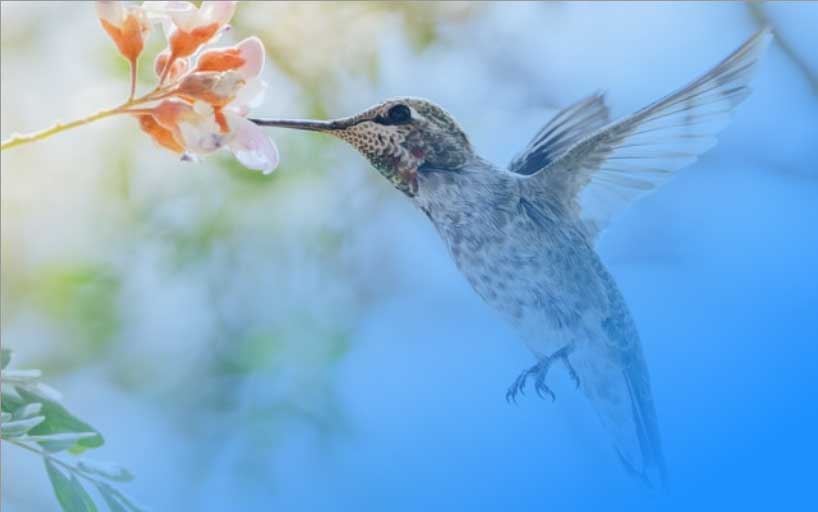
(540, 371)
(539, 384)
(571, 372)
(563, 354)
(518, 386)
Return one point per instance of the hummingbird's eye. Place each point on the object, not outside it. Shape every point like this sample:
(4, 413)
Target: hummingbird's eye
(399, 114)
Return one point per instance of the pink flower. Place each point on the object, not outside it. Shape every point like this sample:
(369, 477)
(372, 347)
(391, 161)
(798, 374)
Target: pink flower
(194, 27)
(193, 131)
(161, 135)
(188, 18)
(216, 96)
(222, 74)
(246, 58)
(222, 87)
(128, 25)
(200, 104)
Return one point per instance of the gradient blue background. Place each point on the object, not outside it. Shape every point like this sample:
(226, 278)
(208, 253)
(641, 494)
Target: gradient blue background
(718, 267)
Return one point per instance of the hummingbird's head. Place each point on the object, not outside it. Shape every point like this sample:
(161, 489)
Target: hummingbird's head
(401, 137)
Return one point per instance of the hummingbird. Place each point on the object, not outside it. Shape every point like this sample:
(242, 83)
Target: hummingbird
(524, 236)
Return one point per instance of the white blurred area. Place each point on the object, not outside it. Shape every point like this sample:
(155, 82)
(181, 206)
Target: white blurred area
(301, 341)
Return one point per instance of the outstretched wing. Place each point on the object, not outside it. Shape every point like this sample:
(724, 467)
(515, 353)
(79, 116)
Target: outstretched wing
(567, 128)
(600, 175)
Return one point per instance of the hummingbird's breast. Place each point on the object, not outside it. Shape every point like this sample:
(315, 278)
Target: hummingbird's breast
(528, 262)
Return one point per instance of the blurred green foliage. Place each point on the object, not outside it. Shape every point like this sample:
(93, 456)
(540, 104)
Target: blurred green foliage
(33, 420)
(83, 299)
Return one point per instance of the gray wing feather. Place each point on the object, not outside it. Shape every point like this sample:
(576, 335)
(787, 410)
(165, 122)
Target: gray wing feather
(604, 172)
(564, 130)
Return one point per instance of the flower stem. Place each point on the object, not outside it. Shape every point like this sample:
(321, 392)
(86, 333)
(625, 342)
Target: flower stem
(18, 140)
(73, 469)
(133, 79)
(171, 60)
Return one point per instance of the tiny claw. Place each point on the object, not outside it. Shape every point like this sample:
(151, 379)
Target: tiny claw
(542, 388)
(571, 372)
(521, 383)
(540, 371)
(510, 398)
(542, 391)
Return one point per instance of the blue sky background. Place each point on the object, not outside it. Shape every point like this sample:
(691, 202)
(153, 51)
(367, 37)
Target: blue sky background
(321, 352)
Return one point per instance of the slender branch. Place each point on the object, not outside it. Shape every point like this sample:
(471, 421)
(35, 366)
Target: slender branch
(760, 16)
(73, 469)
(18, 140)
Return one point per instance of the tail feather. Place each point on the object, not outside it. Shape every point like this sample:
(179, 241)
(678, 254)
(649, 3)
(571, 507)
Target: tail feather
(620, 394)
(647, 427)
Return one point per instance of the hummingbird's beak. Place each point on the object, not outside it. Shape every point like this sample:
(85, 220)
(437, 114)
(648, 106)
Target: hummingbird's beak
(305, 124)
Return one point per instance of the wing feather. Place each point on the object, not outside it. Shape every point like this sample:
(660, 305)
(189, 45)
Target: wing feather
(603, 172)
(561, 132)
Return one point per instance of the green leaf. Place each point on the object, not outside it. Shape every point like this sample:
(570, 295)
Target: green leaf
(90, 506)
(27, 411)
(21, 376)
(118, 498)
(76, 449)
(20, 427)
(59, 442)
(58, 421)
(5, 358)
(107, 470)
(11, 401)
(114, 505)
(69, 492)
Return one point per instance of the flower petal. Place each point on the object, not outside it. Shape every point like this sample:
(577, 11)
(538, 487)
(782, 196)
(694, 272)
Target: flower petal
(159, 12)
(251, 146)
(220, 12)
(127, 26)
(216, 88)
(170, 113)
(111, 11)
(183, 14)
(252, 51)
(160, 134)
(185, 43)
(178, 68)
(249, 96)
(220, 59)
(200, 131)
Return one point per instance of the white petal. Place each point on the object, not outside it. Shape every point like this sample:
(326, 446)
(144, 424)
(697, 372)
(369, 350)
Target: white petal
(200, 140)
(201, 133)
(140, 14)
(249, 96)
(251, 146)
(220, 12)
(184, 15)
(252, 51)
(180, 14)
(203, 109)
(168, 8)
(228, 84)
(111, 11)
